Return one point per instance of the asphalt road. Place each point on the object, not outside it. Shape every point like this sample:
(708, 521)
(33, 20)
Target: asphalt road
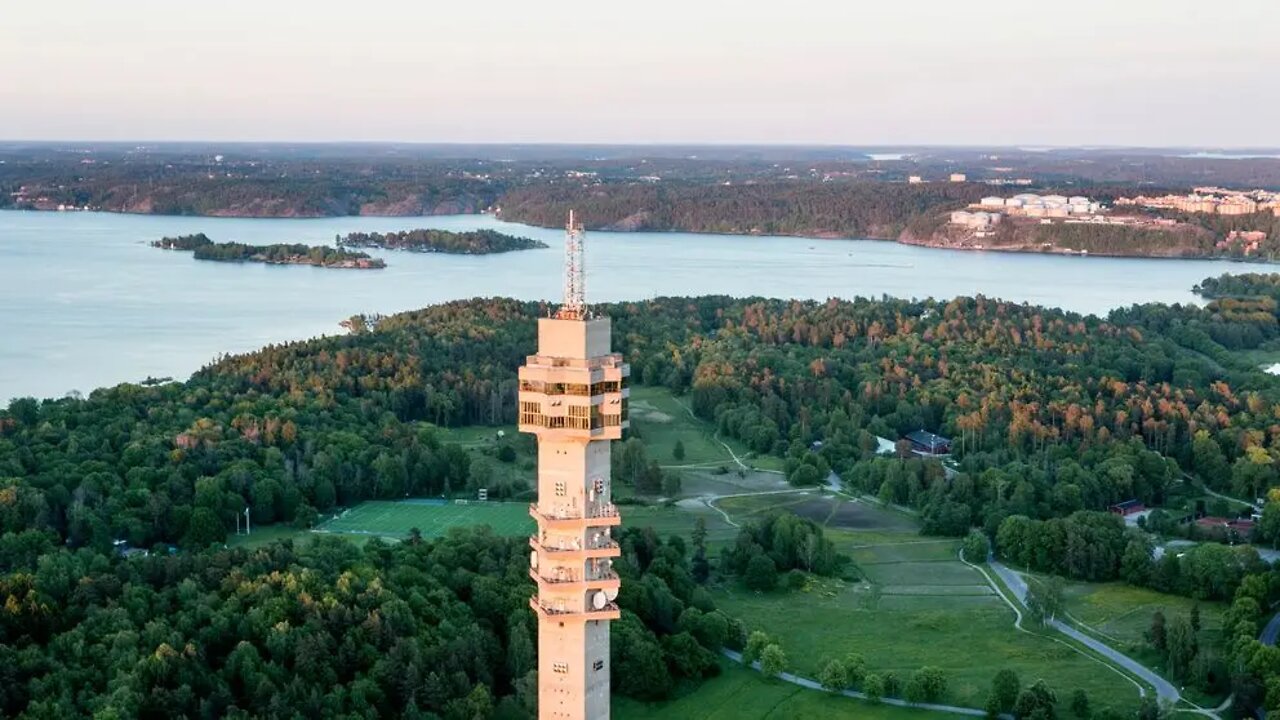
(1269, 633)
(1164, 689)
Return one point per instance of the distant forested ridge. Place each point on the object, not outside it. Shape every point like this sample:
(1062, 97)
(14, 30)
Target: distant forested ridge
(837, 209)
(278, 254)
(473, 242)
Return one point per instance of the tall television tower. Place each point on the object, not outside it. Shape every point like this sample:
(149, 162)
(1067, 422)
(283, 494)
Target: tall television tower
(573, 397)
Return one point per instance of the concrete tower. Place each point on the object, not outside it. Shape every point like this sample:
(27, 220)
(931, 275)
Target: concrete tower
(573, 397)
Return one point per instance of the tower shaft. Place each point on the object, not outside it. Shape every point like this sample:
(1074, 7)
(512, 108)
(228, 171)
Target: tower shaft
(573, 397)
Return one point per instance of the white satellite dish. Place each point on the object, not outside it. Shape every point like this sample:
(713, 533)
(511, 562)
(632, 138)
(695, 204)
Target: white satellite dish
(533, 559)
(611, 594)
(598, 600)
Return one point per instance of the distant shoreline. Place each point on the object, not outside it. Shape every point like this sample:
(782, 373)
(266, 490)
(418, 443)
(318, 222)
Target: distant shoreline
(902, 239)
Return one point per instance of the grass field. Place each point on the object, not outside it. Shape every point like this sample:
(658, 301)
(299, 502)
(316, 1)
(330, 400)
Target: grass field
(661, 419)
(394, 519)
(1120, 615)
(741, 694)
(918, 605)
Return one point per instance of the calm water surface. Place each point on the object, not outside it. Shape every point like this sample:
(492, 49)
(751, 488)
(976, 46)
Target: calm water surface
(86, 303)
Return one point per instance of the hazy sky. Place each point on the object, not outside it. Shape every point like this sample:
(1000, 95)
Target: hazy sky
(1147, 72)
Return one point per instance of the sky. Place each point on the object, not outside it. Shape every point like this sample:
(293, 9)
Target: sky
(988, 72)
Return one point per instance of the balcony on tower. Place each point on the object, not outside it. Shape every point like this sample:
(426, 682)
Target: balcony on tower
(568, 519)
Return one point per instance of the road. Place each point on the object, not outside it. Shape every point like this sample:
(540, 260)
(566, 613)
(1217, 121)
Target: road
(1164, 689)
(1271, 631)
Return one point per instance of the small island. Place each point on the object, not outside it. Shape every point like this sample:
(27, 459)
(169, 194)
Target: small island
(473, 242)
(278, 254)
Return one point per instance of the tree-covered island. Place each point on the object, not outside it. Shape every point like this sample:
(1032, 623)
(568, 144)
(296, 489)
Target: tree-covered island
(474, 242)
(278, 254)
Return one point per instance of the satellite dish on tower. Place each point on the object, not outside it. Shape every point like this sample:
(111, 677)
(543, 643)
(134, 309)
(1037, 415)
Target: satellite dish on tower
(598, 600)
(611, 594)
(533, 559)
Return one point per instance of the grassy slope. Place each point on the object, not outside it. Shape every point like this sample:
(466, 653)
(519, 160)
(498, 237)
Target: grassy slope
(660, 419)
(920, 607)
(1121, 614)
(740, 694)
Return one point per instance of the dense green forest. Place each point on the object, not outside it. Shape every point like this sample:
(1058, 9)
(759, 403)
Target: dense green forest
(277, 254)
(1051, 412)
(1054, 417)
(1244, 285)
(420, 629)
(474, 242)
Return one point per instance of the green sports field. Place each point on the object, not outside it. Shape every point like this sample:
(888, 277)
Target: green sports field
(394, 519)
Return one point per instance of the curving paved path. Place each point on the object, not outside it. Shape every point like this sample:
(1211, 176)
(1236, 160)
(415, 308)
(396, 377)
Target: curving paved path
(1271, 631)
(814, 685)
(1165, 690)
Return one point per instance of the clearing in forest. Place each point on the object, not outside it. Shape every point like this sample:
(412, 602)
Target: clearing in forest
(394, 519)
(916, 604)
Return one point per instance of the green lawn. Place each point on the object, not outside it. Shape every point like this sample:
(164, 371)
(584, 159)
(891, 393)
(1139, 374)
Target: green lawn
(741, 694)
(668, 521)
(264, 535)
(1121, 614)
(742, 508)
(394, 519)
(661, 419)
(918, 606)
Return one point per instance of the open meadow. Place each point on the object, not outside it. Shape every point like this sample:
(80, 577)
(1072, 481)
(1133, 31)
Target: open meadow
(916, 605)
(661, 419)
(740, 694)
(1120, 615)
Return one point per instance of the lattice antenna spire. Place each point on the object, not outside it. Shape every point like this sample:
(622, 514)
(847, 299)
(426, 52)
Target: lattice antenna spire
(575, 292)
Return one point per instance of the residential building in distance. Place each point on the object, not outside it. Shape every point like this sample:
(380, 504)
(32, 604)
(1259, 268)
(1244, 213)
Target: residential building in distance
(990, 209)
(915, 180)
(958, 177)
(1210, 201)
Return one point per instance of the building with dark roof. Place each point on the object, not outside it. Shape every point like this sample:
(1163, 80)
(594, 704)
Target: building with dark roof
(1128, 507)
(928, 444)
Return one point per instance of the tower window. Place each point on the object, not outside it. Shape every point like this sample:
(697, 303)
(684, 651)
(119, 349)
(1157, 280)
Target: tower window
(560, 490)
(598, 665)
(562, 668)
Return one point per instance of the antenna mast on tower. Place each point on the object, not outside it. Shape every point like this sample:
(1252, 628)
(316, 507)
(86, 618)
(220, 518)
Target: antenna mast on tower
(575, 293)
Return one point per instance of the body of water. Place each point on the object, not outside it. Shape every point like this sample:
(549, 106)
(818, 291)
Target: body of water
(86, 302)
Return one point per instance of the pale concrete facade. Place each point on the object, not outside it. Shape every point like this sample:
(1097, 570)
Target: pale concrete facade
(573, 397)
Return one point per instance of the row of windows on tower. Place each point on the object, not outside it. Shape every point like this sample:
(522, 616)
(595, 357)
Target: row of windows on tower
(597, 488)
(579, 389)
(563, 667)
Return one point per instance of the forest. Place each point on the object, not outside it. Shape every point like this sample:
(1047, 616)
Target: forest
(836, 209)
(1051, 412)
(474, 242)
(1054, 417)
(1241, 286)
(278, 254)
(418, 629)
